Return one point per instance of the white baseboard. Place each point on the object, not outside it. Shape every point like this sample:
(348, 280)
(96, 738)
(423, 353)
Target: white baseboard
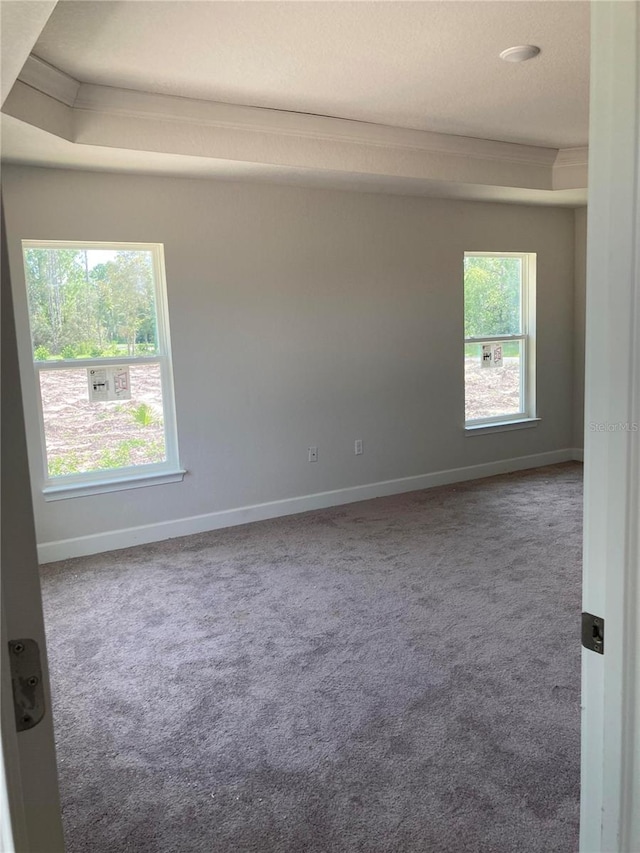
(81, 546)
(578, 454)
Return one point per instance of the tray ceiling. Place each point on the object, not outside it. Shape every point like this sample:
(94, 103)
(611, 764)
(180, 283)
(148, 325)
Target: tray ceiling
(390, 96)
(425, 65)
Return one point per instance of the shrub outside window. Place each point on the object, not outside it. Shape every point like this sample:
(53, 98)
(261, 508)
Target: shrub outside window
(102, 358)
(499, 345)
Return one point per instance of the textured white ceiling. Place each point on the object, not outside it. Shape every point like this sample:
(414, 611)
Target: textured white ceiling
(429, 65)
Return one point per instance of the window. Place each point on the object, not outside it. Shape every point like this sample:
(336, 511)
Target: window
(102, 359)
(499, 346)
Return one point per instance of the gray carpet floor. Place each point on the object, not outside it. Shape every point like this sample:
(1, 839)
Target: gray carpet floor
(394, 676)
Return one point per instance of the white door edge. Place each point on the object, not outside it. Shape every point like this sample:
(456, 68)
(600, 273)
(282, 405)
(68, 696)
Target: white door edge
(610, 784)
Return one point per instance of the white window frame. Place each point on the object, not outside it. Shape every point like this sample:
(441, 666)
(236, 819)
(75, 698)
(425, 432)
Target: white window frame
(132, 476)
(527, 415)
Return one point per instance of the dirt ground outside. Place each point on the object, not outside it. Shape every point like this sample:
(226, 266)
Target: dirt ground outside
(491, 391)
(84, 436)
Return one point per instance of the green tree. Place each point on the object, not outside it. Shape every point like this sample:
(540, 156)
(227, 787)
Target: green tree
(55, 285)
(492, 296)
(126, 298)
(79, 310)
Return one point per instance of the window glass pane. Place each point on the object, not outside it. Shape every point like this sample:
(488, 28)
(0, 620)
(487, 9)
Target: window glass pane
(84, 436)
(492, 296)
(491, 390)
(91, 303)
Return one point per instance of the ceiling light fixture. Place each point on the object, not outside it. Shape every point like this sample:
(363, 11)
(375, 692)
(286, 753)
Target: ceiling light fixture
(520, 53)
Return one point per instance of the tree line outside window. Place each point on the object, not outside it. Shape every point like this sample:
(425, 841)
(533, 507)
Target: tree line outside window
(87, 303)
(492, 296)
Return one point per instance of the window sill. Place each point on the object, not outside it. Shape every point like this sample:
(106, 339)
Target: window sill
(99, 487)
(501, 426)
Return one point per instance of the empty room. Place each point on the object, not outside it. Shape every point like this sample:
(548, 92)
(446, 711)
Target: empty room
(299, 300)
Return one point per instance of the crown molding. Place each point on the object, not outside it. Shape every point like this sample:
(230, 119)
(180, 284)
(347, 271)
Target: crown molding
(49, 80)
(129, 120)
(131, 103)
(572, 157)
(31, 106)
(135, 104)
(571, 168)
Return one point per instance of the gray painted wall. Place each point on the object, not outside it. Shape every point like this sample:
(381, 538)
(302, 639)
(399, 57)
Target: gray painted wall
(317, 317)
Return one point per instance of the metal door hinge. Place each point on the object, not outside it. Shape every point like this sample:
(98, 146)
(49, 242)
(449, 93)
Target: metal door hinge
(26, 678)
(593, 633)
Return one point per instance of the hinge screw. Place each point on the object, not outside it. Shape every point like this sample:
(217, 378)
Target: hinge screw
(18, 648)
(32, 681)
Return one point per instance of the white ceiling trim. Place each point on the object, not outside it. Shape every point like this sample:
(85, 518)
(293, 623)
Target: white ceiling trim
(126, 102)
(572, 157)
(140, 121)
(571, 168)
(33, 107)
(49, 80)
(23, 144)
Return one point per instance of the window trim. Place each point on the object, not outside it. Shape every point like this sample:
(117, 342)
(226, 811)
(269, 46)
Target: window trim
(501, 426)
(527, 416)
(134, 476)
(100, 486)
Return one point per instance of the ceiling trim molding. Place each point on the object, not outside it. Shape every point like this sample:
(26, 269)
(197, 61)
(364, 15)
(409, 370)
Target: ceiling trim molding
(134, 104)
(49, 80)
(571, 168)
(32, 107)
(127, 120)
(572, 157)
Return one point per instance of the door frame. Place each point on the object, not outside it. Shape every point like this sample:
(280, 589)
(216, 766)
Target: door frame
(610, 781)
